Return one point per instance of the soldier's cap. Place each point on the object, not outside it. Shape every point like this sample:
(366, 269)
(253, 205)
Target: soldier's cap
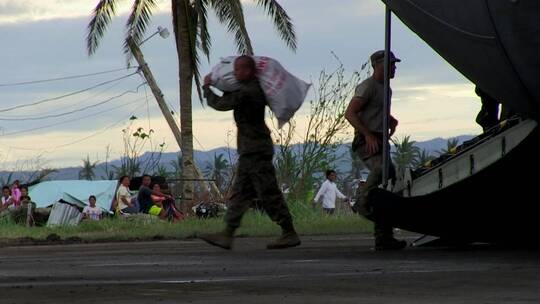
(378, 57)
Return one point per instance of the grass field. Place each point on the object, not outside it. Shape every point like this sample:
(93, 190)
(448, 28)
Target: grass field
(307, 221)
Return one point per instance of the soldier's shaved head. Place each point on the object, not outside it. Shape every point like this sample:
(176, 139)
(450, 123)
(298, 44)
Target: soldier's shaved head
(244, 68)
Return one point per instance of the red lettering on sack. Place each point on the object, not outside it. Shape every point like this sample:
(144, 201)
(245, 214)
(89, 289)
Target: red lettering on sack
(262, 65)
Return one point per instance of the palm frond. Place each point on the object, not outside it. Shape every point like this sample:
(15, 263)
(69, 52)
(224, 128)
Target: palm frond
(192, 22)
(282, 21)
(101, 19)
(231, 13)
(205, 42)
(137, 22)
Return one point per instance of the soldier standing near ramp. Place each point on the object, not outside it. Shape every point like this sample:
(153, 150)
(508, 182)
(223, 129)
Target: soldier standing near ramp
(255, 176)
(365, 114)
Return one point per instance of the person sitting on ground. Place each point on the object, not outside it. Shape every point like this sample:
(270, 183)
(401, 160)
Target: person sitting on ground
(145, 194)
(123, 197)
(329, 192)
(16, 193)
(7, 200)
(23, 214)
(164, 207)
(92, 212)
(158, 207)
(25, 198)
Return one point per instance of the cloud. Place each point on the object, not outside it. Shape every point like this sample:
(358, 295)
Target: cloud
(13, 8)
(433, 109)
(45, 39)
(25, 11)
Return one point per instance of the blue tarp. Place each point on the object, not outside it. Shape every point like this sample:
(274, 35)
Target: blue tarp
(74, 191)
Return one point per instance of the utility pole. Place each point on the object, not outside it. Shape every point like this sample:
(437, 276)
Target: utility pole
(386, 105)
(135, 50)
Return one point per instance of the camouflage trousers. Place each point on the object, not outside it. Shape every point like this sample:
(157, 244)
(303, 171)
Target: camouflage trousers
(256, 179)
(374, 164)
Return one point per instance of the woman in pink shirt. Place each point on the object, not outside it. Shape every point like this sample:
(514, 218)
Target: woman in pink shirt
(16, 193)
(157, 208)
(164, 207)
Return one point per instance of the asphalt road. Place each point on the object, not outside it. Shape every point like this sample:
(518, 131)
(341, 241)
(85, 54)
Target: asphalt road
(339, 269)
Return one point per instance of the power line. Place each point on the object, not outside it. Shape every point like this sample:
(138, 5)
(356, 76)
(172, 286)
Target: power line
(199, 143)
(51, 149)
(83, 100)
(147, 108)
(68, 121)
(66, 95)
(63, 78)
(75, 110)
(80, 102)
(102, 130)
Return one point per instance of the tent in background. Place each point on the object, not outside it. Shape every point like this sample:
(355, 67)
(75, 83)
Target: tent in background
(74, 191)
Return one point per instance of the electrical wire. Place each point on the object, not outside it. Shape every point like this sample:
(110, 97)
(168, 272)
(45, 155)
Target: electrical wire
(102, 130)
(75, 110)
(67, 121)
(52, 149)
(82, 101)
(65, 95)
(147, 108)
(62, 78)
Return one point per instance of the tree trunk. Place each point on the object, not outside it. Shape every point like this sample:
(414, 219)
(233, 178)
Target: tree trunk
(183, 48)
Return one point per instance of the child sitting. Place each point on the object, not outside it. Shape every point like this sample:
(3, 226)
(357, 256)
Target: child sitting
(92, 212)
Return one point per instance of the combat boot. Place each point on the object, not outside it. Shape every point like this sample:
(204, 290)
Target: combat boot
(287, 239)
(222, 239)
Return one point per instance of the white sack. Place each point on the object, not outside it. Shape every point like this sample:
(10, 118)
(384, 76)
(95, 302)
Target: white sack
(284, 92)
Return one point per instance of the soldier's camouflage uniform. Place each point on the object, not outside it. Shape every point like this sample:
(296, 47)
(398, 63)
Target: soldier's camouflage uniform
(255, 174)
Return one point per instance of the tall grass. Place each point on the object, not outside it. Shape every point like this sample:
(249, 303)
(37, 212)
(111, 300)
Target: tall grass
(254, 223)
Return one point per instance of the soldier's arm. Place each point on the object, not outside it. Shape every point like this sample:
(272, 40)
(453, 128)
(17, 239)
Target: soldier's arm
(356, 106)
(227, 102)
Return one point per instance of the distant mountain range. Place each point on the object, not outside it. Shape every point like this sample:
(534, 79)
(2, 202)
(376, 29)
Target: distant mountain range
(202, 158)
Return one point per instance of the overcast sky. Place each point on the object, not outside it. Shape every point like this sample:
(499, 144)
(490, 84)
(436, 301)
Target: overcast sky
(45, 39)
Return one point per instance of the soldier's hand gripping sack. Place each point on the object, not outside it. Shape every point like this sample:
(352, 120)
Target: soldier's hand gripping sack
(284, 92)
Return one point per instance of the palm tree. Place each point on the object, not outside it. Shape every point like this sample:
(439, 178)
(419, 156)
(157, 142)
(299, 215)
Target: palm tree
(451, 145)
(423, 157)
(190, 23)
(87, 170)
(405, 154)
(218, 169)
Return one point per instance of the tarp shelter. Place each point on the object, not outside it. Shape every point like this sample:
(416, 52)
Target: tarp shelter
(74, 191)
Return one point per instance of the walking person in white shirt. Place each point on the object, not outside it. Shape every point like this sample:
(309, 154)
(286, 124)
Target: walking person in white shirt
(329, 192)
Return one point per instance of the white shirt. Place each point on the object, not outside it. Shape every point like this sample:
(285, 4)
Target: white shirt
(93, 213)
(329, 192)
(123, 192)
(5, 200)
